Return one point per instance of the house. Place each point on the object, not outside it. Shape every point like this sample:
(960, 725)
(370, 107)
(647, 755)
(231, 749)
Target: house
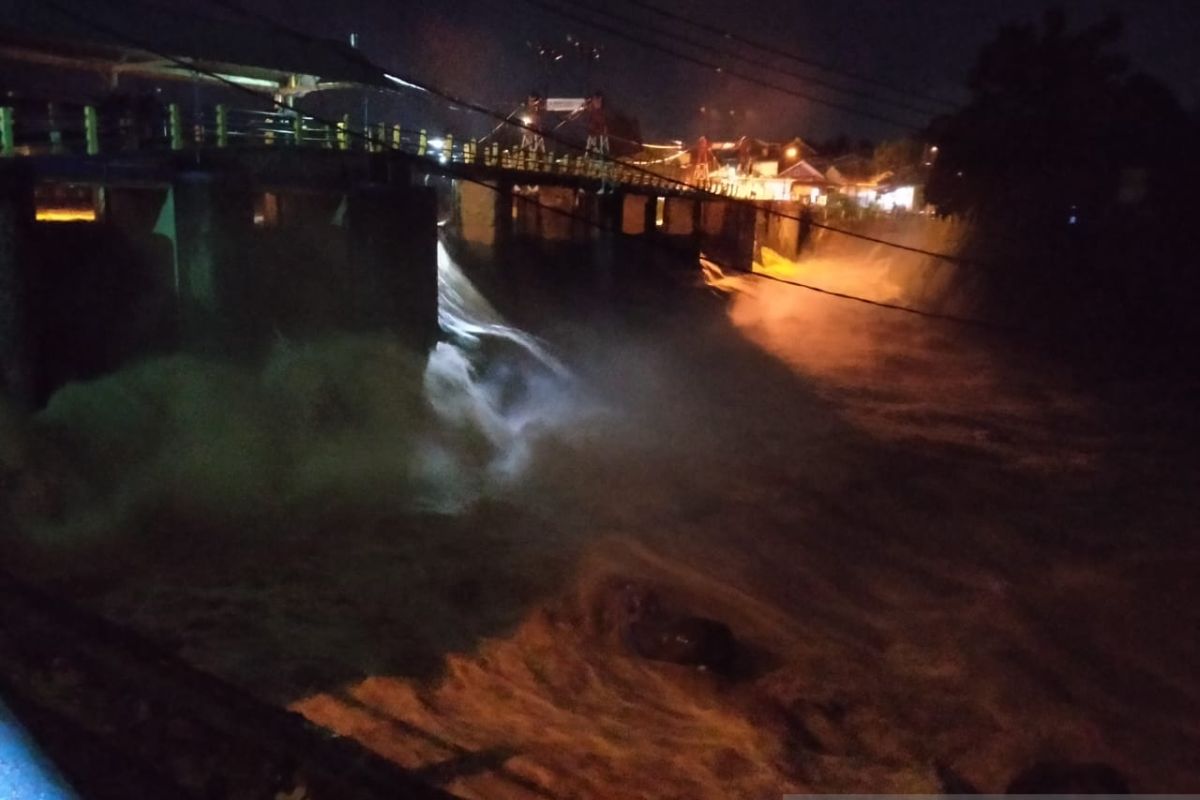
(901, 190)
(808, 182)
(854, 176)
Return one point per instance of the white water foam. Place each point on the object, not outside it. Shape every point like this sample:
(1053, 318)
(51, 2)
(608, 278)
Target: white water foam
(494, 377)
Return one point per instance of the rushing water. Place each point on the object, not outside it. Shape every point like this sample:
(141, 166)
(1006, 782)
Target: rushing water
(899, 520)
(493, 376)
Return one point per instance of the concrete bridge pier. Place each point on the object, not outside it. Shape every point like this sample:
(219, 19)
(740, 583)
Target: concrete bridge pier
(18, 345)
(557, 214)
(393, 260)
(484, 216)
(236, 283)
(679, 217)
(679, 235)
(782, 231)
(210, 218)
(610, 252)
(728, 233)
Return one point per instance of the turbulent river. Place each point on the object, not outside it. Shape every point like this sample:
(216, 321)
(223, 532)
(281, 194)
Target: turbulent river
(938, 555)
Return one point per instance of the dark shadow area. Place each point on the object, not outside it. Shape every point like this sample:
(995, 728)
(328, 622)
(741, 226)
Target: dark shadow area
(101, 299)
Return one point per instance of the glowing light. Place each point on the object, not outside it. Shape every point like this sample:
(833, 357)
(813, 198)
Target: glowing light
(526, 119)
(933, 149)
(436, 144)
(66, 215)
(405, 83)
(791, 152)
(902, 197)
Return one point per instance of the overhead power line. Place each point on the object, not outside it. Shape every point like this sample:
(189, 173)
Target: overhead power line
(552, 136)
(365, 136)
(681, 38)
(714, 67)
(766, 47)
(496, 115)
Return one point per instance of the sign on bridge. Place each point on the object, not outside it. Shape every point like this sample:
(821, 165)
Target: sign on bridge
(567, 104)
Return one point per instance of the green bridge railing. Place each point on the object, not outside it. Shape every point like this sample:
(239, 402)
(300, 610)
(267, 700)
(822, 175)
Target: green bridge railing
(59, 129)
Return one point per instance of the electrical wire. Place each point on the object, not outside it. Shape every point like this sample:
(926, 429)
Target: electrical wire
(709, 65)
(948, 257)
(683, 185)
(777, 51)
(452, 170)
(457, 101)
(502, 123)
(763, 64)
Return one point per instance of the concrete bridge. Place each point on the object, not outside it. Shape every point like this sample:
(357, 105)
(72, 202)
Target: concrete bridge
(139, 223)
(126, 235)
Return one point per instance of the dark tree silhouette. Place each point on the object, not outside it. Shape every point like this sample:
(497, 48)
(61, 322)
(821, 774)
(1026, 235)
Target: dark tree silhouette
(1078, 176)
(1054, 120)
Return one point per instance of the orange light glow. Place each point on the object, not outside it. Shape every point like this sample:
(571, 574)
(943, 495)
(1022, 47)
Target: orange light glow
(791, 152)
(66, 215)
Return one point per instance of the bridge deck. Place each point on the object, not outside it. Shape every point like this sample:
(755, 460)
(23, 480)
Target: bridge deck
(87, 144)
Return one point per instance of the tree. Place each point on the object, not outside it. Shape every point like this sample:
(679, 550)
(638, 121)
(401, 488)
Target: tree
(898, 155)
(1077, 172)
(1054, 118)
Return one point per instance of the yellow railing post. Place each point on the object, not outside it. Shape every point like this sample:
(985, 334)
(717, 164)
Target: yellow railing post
(448, 147)
(397, 136)
(422, 142)
(495, 154)
(343, 133)
(298, 130)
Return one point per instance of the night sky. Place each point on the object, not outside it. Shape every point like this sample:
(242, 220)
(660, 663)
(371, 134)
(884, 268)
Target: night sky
(478, 48)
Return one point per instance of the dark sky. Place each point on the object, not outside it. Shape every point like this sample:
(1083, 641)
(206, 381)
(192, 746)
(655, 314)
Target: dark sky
(477, 48)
